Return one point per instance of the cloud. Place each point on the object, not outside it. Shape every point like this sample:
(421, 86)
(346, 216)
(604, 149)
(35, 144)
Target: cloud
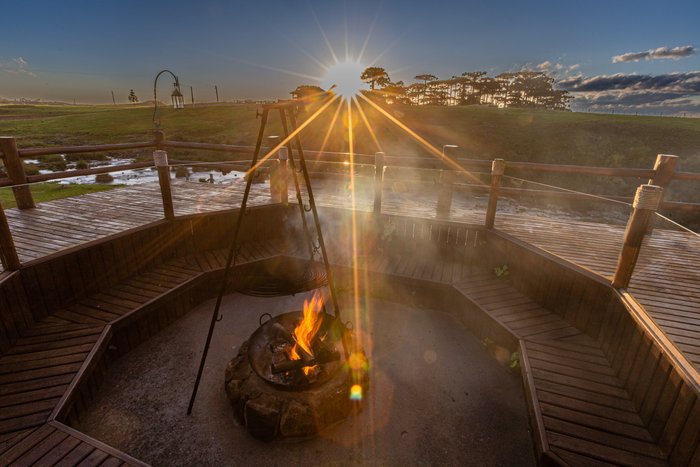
(660, 53)
(674, 92)
(688, 82)
(556, 70)
(16, 66)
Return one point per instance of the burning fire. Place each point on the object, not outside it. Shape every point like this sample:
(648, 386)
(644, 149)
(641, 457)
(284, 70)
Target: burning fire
(307, 329)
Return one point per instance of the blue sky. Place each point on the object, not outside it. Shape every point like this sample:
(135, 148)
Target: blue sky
(84, 49)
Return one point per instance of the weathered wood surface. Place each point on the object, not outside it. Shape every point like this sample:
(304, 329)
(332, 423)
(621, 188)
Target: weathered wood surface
(40, 370)
(590, 394)
(586, 412)
(588, 367)
(666, 279)
(55, 444)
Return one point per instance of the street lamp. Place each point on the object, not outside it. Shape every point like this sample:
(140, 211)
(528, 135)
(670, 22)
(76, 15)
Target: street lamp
(444, 146)
(176, 97)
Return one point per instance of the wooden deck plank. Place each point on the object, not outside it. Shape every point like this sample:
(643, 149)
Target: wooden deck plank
(58, 452)
(76, 455)
(602, 452)
(27, 443)
(577, 384)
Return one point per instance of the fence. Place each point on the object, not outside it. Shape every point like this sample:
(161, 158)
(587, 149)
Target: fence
(377, 166)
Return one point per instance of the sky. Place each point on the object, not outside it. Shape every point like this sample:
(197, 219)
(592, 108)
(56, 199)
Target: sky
(612, 55)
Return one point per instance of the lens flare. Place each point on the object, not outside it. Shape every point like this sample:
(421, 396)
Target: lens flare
(356, 392)
(358, 362)
(344, 78)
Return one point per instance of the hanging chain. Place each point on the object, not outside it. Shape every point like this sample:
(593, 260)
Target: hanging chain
(297, 187)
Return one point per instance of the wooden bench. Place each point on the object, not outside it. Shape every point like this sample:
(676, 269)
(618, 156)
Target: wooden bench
(602, 383)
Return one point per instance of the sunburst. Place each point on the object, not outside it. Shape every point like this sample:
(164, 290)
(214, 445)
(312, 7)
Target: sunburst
(342, 80)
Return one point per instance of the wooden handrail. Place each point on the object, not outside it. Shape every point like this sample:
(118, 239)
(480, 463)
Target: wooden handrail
(33, 152)
(82, 172)
(399, 161)
(208, 146)
(686, 176)
(331, 158)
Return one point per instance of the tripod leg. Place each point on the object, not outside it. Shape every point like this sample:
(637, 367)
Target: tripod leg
(297, 187)
(229, 262)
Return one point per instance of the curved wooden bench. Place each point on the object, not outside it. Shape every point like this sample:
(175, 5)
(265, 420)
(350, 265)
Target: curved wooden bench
(603, 385)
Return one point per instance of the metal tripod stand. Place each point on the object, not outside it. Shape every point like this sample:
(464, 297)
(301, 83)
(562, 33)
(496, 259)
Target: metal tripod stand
(288, 120)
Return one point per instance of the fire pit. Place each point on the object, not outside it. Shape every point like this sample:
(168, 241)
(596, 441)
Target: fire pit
(291, 379)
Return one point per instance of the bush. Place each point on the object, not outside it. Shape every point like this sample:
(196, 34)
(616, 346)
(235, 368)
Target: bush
(51, 158)
(90, 157)
(81, 165)
(57, 166)
(31, 169)
(104, 178)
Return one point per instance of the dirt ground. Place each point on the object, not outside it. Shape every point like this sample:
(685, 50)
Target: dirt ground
(436, 397)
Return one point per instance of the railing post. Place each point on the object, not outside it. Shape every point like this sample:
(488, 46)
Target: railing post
(160, 159)
(444, 200)
(7, 245)
(15, 171)
(664, 168)
(279, 178)
(645, 204)
(378, 181)
(498, 168)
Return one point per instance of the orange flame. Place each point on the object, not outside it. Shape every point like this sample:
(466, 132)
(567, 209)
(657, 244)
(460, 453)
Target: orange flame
(306, 330)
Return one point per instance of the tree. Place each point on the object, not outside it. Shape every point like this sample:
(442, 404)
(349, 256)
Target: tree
(132, 97)
(425, 78)
(305, 91)
(422, 91)
(489, 88)
(436, 96)
(375, 76)
(395, 93)
(471, 87)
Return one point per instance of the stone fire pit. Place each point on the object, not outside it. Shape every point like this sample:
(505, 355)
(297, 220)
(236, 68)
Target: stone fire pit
(280, 405)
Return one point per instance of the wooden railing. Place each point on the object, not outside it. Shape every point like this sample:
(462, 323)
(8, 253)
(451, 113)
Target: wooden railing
(447, 179)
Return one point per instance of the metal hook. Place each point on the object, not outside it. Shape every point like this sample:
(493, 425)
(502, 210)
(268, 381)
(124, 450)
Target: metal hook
(260, 320)
(307, 209)
(221, 316)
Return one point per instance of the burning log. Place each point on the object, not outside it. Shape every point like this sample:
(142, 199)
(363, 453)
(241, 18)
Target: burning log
(324, 356)
(289, 337)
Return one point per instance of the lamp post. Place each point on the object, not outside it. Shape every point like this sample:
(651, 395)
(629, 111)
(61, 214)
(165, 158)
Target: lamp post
(176, 97)
(160, 157)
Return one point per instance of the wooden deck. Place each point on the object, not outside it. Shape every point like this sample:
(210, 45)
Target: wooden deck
(595, 402)
(36, 373)
(666, 281)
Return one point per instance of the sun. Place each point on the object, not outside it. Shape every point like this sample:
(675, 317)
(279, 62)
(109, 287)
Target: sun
(345, 76)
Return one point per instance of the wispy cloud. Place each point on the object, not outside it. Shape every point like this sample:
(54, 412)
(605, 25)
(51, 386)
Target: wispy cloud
(554, 69)
(16, 66)
(659, 53)
(673, 91)
(688, 82)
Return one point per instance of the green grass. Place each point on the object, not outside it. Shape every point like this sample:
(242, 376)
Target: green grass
(481, 132)
(51, 191)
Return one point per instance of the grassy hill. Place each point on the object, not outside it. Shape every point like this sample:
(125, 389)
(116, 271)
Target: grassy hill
(480, 132)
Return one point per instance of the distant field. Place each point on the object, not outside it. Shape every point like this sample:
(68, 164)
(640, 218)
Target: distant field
(481, 132)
